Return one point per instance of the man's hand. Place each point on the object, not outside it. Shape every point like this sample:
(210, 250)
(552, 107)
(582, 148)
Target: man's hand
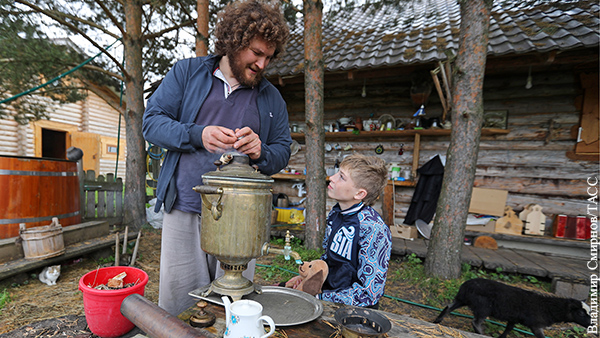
(248, 143)
(218, 139)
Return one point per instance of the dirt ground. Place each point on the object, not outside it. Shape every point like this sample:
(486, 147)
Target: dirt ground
(39, 310)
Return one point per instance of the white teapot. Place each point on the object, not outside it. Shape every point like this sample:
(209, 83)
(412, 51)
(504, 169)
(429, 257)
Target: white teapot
(244, 318)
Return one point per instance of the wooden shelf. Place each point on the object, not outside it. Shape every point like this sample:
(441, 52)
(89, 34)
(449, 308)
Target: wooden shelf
(387, 134)
(299, 177)
(291, 177)
(410, 183)
(531, 239)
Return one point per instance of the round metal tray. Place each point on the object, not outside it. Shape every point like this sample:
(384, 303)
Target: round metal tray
(285, 306)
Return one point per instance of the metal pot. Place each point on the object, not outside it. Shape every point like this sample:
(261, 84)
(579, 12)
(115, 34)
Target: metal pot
(236, 210)
(362, 323)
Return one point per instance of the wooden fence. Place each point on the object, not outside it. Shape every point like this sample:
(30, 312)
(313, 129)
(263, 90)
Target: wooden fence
(102, 198)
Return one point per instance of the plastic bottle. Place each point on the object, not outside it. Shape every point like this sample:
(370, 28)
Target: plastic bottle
(419, 116)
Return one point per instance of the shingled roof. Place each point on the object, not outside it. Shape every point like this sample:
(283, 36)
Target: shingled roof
(422, 31)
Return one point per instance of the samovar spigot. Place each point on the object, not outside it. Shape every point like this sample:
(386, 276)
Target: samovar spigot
(287, 251)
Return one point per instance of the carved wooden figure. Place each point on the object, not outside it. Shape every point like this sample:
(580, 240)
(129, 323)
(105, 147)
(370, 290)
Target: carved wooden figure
(525, 212)
(509, 223)
(535, 220)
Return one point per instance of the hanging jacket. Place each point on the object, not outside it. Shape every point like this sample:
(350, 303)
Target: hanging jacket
(425, 198)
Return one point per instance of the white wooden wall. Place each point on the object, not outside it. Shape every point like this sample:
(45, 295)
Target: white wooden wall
(100, 118)
(91, 115)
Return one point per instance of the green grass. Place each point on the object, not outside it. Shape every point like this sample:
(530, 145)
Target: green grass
(441, 292)
(4, 299)
(280, 269)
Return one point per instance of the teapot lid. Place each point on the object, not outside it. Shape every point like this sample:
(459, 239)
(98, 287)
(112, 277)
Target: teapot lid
(236, 167)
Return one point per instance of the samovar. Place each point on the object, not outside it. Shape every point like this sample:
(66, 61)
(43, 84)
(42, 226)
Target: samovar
(236, 222)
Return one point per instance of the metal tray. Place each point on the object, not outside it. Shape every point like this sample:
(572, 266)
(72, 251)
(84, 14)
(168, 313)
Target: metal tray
(287, 307)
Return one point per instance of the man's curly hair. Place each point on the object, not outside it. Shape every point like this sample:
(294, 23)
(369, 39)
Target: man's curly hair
(241, 21)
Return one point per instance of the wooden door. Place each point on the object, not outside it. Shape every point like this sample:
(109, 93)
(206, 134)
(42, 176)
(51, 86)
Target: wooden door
(90, 144)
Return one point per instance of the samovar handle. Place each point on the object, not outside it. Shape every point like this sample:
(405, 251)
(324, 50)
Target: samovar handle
(217, 208)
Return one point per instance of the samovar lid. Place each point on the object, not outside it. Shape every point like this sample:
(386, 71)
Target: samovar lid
(236, 167)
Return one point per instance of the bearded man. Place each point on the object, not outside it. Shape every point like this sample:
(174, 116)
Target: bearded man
(203, 107)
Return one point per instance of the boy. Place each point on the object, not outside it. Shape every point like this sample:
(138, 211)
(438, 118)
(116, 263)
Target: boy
(357, 242)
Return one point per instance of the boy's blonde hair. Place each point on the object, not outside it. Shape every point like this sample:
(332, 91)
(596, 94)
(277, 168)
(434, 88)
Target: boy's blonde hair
(367, 172)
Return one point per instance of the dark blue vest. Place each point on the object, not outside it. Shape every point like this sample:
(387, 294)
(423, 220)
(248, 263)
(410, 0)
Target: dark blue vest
(342, 247)
(238, 110)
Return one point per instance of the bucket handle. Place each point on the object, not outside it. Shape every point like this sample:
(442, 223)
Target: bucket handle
(217, 208)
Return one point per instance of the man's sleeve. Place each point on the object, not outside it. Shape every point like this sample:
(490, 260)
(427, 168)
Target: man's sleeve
(275, 151)
(163, 122)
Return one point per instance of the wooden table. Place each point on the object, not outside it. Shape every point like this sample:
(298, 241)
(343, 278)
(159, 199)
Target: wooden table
(325, 326)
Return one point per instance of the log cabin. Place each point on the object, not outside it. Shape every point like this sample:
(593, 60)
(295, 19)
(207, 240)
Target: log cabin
(381, 63)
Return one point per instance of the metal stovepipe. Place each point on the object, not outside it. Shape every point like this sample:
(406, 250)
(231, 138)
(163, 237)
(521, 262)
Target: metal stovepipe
(155, 321)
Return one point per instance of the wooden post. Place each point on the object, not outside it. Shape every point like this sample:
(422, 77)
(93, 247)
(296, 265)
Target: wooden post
(135, 249)
(315, 134)
(438, 87)
(416, 153)
(202, 23)
(447, 236)
(117, 256)
(387, 204)
(81, 177)
(446, 84)
(125, 239)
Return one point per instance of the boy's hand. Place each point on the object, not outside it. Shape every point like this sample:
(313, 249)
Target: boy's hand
(218, 139)
(248, 143)
(294, 282)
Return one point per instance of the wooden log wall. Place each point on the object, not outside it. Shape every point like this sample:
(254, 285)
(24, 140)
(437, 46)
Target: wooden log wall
(530, 162)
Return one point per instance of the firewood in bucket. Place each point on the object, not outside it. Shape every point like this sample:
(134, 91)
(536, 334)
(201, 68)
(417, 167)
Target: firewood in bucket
(117, 281)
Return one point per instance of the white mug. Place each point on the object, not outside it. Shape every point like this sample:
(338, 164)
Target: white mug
(367, 124)
(244, 319)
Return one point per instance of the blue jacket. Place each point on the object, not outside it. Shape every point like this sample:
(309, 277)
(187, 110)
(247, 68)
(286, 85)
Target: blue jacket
(358, 246)
(171, 111)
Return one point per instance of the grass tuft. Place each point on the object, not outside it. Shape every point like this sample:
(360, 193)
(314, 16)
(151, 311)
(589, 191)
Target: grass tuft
(4, 298)
(280, 269)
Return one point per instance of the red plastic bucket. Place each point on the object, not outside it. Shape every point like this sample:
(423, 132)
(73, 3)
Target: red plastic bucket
(103, 307)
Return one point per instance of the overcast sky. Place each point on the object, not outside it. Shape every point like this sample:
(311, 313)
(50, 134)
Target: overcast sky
(182, 51)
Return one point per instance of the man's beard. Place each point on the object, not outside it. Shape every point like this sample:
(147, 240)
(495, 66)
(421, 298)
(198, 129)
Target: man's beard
(237, 69)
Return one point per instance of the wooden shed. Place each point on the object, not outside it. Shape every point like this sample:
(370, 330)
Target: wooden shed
(540, 94)
(91, 125)
(39, 184)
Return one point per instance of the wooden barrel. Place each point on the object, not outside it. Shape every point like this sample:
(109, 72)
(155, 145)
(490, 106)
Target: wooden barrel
(33, 190)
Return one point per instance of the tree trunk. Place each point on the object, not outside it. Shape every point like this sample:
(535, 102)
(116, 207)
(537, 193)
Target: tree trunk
(443, 254)
(202, 23)
(135, 192)
(315, 136)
